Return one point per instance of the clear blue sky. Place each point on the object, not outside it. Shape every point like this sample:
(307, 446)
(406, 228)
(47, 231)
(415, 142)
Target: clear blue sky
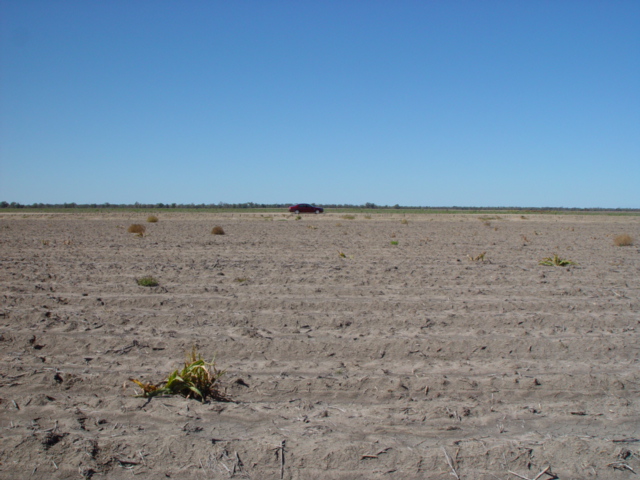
(437, 103)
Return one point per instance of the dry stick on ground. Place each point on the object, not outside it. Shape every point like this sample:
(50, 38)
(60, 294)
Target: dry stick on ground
(546, 471)
(282, 459)
(620, 466)
(453, 470)
(375, 455)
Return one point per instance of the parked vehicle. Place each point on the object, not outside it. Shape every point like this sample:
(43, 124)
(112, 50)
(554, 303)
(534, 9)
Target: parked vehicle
(305, 208)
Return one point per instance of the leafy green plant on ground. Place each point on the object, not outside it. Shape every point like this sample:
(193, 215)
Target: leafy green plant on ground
(152, 219)
(556, 261)
(197, 379)
(394, 242)
(147, 281)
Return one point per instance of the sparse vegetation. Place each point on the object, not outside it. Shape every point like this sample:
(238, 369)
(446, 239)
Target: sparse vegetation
(404, 221)
(298, 217)
(152, 219)
(368, 217)
(623, 240)
(556, 261)
(217, 230)
(198, 379)
(241, 279)
(148, 281)
(342, 254)
(137, 228)
(394, 242)
(348, 217)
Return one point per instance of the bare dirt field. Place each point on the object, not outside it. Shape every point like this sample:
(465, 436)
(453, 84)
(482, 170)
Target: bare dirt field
(398, 361)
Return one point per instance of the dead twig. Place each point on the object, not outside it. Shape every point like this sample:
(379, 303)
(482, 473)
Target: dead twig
(453, 470)
(621, 466)
(546, 471)
(375, 455)
(282, 445)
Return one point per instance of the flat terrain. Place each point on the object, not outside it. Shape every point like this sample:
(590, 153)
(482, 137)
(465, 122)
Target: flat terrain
(405, 361)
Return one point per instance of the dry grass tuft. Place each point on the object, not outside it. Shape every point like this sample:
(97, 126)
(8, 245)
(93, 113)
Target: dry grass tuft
(217, 230)
(404, 221)
(137, 228)
(623, 240)
(348, 217)
(198, 379)
(152, 219)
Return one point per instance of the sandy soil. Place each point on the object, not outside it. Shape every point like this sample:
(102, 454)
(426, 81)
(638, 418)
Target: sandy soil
(395, 361)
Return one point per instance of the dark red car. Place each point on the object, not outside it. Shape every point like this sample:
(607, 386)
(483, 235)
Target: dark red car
(305, 208)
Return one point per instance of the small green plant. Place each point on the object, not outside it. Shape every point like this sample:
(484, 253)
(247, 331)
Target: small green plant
(148, 281)
(623, 240)
(477, 258)
(342, 254)
(348, 217)
(368, 217)
(312, 227)
(298, 217)
(404, 221)
(556, 261)
(241, 279)
(198, 379)
(394, 242)
(152, 219)
(137, 228)
(217, 230)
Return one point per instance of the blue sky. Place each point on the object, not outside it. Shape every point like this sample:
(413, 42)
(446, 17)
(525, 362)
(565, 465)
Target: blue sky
(432, 103)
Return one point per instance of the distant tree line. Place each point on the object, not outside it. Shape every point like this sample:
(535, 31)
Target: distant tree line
(252, 205)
